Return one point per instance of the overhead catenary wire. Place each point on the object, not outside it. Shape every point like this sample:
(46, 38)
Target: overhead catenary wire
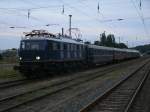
(87, 15)
(20, 13)
(29, 11)
(141, 17)
(106, 21)
(140, 4)
(37, 7)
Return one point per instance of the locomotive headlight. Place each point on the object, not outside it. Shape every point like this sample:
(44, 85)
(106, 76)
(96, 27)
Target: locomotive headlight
(20, 58)
(37, 57)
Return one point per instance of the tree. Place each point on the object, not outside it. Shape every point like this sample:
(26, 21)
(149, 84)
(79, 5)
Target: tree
(103, 39)
(143, 48)
(122, 45)
(110, 40)
(87, 42)
(97, 43)
(113, 39)
(1, 57)
(14, 49)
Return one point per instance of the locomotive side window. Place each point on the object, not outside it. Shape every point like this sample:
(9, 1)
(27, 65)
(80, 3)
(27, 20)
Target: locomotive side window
(56, 46)
(72, 47)
(50, 46)
(80, 47)
(65, 46)
(61, 46)
(77, 47)
(68, 47)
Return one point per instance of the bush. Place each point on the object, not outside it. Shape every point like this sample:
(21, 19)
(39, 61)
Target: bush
(1, 57)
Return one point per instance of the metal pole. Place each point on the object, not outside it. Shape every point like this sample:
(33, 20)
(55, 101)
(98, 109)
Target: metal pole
(70, 25)
(119, 40)
(127, 43)
(62, 31)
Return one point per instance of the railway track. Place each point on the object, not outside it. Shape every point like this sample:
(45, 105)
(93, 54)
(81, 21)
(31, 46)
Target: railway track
(120, 97)
(11, 102)
(45, 91)
(12, 83)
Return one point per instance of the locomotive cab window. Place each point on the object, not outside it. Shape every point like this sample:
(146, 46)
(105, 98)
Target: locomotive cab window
(22, 45)
(36, 45)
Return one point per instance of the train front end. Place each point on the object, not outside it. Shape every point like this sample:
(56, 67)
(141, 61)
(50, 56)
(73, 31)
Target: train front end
(32, 56)
(33, 53)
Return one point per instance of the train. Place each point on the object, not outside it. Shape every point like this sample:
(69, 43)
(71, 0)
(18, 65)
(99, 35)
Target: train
(41, 51)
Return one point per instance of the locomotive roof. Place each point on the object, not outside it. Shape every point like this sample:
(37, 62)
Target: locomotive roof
(58, 39)
(45, 35)
(111, 48)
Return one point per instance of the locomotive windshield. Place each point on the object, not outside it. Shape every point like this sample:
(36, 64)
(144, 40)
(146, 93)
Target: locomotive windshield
(33, 45)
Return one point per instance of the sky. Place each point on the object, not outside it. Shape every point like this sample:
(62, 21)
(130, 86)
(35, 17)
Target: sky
(27, 15)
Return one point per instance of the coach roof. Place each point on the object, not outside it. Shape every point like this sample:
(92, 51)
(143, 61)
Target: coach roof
(111, 48)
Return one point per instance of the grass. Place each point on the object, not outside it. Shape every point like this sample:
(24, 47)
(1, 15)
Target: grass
(7, 72)
(9, 60)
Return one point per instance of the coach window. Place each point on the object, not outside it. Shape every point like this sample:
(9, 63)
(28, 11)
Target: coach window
(98, 51)
(106, 52)
(101, 52)
(72, 47)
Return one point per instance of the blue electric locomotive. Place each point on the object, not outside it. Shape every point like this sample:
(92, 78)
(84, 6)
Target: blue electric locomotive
(43, 51)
